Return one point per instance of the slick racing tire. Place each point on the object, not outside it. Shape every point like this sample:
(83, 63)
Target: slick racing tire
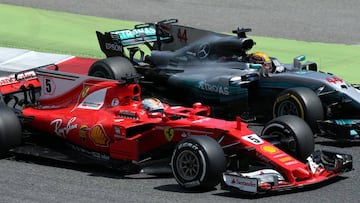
(10, 129)
(112, 68)
(198, 163)
(301, 102)
(291, 134)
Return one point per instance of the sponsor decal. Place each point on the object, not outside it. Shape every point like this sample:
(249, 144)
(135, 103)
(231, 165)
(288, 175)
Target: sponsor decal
(98, 136)
(129, 34)
(280, 155)
(169, 134)
(21, 76)
(201, 120)
(94, 154)
(285, 159)
(128, 114)
(301, 72)
(114, 47)
(82, 132)
(262, 157)
(253, 138)
(291, 162)
(203, 51)
(203, 85)
(63, 131)
(269, 148)
(26, 75)
(334, 80)
(185, 134)
(94, 101)
(85, 91)
(187, 144)
(117, 132)
(243, 184)
(115, 102)
(90, 105)
(7, 80)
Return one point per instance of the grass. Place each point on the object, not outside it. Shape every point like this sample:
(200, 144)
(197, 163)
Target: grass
(65, 33)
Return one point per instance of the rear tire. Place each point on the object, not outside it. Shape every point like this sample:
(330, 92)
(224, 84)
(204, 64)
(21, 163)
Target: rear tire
(198, 163)
(112, 68)
(10, 130)
(291, 134)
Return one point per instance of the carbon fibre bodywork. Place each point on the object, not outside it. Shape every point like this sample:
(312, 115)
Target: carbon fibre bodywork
(188, 64)
(106, 121)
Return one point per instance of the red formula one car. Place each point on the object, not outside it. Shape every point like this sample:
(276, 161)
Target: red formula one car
(107, 121)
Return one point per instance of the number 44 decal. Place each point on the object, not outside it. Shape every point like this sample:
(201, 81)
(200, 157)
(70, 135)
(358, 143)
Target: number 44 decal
(334, 80)
(182, 35)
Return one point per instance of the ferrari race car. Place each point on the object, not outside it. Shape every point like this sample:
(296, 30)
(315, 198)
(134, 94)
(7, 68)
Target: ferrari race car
(106, 121)
(189, 64)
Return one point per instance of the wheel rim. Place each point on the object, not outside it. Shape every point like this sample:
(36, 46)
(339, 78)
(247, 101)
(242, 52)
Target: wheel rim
(285, 140)
(188, 165)
(288, 108)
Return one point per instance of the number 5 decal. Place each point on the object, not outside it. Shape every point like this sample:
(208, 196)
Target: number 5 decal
(253, 138)
(48, 86)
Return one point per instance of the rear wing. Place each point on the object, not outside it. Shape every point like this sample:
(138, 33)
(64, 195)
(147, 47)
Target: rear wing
(112, 43)
(46, 77)
(164, 35)
(17, 82)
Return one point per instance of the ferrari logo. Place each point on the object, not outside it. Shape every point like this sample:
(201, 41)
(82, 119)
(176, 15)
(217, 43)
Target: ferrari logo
(85, 91)
(169, 133)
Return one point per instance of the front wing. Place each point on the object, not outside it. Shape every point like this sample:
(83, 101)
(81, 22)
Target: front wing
(324, 165)
(347, 129)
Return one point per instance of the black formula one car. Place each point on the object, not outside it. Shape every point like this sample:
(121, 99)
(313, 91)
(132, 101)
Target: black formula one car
(189, 64)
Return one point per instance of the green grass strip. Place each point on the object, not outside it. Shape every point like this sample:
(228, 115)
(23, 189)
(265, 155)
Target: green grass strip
(56, 32)
(65, 33)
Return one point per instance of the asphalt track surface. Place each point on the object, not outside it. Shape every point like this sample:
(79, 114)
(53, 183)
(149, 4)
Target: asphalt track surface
(34, 180)
(331, 21)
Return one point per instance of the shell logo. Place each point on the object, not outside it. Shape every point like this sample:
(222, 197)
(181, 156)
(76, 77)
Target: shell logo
(98, 136)
(268, 148)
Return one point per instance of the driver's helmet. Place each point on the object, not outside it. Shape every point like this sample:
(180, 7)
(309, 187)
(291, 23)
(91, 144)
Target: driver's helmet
(261, 58)
(152, 105)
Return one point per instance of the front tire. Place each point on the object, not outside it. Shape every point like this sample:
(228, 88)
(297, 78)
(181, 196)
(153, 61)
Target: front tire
(198, 163)
(291, 134)
(10, 130)
(112, 68)
(301, 102)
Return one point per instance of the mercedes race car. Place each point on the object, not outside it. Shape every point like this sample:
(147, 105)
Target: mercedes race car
(188, 64)
(107, 121)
